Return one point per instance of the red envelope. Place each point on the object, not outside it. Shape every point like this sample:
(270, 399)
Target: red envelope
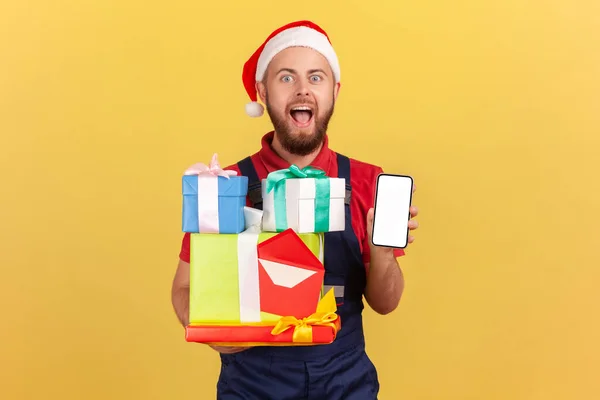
(290, 276)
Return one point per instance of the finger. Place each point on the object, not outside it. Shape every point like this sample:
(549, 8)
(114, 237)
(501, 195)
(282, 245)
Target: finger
(414, 211)
(413, 224)
(237, 350)
(370, 214)
(232, 350)
(411, 239)
(228, 349)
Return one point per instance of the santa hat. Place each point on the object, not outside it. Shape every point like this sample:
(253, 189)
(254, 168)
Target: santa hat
(300, 33)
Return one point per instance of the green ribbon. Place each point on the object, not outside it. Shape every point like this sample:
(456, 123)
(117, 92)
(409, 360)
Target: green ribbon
(276, 181)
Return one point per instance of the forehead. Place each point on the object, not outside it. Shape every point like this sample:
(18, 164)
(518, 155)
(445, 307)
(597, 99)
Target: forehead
(300, 59)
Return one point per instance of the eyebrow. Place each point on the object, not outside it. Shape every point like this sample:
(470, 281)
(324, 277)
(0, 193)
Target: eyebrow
(312, 71)
(293, 71)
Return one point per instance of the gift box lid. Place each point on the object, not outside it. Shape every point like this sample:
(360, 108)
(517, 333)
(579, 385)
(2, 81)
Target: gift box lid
(235, 186)
(305, 188)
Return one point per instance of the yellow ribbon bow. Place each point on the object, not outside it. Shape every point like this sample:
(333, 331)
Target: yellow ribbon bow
(324, 316)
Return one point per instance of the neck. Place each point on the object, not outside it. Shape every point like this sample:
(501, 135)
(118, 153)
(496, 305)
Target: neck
(300, 161)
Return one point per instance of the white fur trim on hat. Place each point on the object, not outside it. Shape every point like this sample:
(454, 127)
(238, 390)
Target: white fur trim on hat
(254, 109)
(301, 37)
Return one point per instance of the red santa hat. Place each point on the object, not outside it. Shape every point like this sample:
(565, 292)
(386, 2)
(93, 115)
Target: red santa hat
(295, 34)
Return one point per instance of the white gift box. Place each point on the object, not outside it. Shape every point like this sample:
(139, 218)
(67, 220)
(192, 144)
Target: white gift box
(300, 206)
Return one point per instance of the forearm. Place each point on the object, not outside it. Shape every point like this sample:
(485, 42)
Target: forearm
(385, 281)
(181, 304)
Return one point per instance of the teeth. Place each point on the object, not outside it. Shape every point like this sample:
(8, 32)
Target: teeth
(301, 108)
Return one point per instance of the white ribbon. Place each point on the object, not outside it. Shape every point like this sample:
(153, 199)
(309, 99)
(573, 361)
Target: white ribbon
(208, 192)
(247, 253)
(208, 204)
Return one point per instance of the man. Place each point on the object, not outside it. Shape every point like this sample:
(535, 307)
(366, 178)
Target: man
(297, 76)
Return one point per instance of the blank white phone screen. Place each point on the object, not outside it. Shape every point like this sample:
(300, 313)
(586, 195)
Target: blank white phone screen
(392, 210)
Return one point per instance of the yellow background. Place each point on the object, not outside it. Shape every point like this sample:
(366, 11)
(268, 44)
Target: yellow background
(493, 107)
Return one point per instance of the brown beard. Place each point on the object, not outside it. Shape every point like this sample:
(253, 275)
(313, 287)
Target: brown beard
(300, 145)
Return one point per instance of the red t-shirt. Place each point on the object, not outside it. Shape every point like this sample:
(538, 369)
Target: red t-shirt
(363, 178)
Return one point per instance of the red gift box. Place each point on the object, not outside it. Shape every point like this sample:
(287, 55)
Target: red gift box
(245, 335)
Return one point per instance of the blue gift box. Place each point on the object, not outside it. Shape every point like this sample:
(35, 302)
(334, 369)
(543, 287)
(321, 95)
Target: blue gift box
(222, 209)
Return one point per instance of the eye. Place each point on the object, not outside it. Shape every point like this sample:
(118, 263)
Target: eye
(286, 78)
(315, 78)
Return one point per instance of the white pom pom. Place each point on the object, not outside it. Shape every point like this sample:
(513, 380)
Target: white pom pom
(254, 109)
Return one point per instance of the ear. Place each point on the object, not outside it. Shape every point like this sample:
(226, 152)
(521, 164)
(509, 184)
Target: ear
(336, 90)
(261, 90)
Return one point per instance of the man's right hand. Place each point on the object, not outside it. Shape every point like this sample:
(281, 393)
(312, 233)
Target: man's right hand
(228, 350)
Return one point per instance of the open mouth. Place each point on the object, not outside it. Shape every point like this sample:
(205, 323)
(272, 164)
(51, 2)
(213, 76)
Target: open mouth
(302, 115)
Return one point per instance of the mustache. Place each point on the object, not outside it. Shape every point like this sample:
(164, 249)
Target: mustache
(302, 103)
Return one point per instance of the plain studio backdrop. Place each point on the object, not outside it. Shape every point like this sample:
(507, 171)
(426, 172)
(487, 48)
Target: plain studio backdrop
(493, 108)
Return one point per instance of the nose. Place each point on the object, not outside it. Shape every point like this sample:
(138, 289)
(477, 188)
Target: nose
(302, 90)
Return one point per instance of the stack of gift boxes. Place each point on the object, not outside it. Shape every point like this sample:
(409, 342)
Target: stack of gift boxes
(256, 276)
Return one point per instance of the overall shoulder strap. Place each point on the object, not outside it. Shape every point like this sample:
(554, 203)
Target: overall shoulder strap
(254, 185)
(344, 172)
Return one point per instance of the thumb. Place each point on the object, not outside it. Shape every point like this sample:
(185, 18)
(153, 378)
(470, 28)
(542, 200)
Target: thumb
(370, 214)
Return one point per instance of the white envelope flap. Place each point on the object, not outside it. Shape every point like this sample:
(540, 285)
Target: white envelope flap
(286, 275)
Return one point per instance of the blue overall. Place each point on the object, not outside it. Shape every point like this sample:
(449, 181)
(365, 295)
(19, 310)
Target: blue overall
(341, 370)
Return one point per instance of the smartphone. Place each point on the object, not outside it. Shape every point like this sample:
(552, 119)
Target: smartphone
(393, 198)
